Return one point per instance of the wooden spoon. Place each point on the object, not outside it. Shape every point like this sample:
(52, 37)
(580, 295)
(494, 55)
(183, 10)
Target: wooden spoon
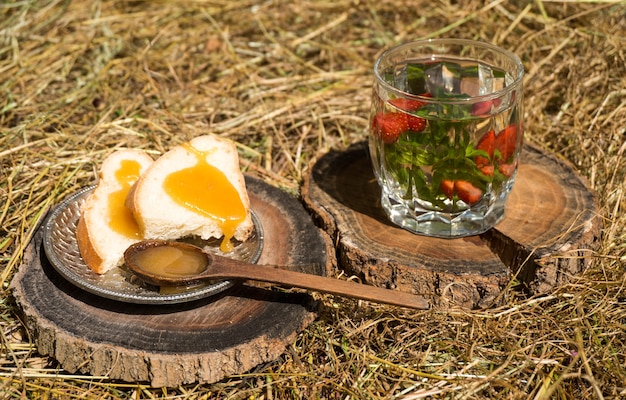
(170, 263)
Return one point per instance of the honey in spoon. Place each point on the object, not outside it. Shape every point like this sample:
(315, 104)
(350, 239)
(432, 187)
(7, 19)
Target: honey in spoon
(175, 260)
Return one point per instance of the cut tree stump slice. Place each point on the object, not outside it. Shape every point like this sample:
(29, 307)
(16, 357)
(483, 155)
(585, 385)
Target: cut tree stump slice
(551, 227)
(201, 341)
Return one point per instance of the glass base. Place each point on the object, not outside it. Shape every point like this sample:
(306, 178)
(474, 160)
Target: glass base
(440, 224)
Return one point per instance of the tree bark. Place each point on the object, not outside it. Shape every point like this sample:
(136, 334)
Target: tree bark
(200, 341)
(551, 227)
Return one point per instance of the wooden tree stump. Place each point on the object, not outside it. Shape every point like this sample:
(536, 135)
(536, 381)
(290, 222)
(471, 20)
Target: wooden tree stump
(168, 345)
(551, 227)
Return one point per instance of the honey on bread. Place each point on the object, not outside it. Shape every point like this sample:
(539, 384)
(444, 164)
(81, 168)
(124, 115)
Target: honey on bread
(206, 190)
(107, 226)
(120, 218)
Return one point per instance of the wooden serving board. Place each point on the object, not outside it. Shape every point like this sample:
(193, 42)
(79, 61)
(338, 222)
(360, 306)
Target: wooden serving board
(551, 227)
(168, 345)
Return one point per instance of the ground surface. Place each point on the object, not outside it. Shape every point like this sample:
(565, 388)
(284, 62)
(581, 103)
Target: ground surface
(289, 81)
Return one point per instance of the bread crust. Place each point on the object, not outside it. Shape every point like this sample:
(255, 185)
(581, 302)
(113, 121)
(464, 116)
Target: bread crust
(87, 251)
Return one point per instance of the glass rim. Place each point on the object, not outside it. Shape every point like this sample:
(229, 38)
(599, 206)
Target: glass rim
(517, 79)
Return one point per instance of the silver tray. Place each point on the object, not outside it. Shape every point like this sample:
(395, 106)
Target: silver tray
(61, 248)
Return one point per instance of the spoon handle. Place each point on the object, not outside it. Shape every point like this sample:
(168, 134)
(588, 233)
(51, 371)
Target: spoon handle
(234, 269)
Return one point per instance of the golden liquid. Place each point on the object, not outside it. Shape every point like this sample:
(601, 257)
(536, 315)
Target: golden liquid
(205, 190)
(171, 261)
(120, 218)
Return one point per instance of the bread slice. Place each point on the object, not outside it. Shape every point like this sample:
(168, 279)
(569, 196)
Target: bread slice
(106, 228)
(195, 189)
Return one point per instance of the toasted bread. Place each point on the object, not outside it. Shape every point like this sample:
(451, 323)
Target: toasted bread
(195, 189)
(106, 228)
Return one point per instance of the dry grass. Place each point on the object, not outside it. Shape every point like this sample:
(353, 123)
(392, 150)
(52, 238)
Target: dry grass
(289, 80)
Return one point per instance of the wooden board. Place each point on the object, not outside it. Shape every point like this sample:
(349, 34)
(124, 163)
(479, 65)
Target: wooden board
(201, 341)
(551, 226)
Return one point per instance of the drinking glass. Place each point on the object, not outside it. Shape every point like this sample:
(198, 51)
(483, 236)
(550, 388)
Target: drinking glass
(446, 134)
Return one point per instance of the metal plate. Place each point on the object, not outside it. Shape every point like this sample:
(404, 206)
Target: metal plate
(61, 247)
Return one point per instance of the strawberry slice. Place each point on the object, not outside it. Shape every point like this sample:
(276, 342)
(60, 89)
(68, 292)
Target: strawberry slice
(484, 107)
(447, 187)
(506, 141)
(487, 143)
(416, 124)
(487, 170)
(507, 169)
(389, 126)
(406, 104)
(467, 192)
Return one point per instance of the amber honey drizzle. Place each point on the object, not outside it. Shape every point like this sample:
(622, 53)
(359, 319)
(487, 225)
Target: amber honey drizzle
(121, 219)
(205, 190)
(170, 261)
